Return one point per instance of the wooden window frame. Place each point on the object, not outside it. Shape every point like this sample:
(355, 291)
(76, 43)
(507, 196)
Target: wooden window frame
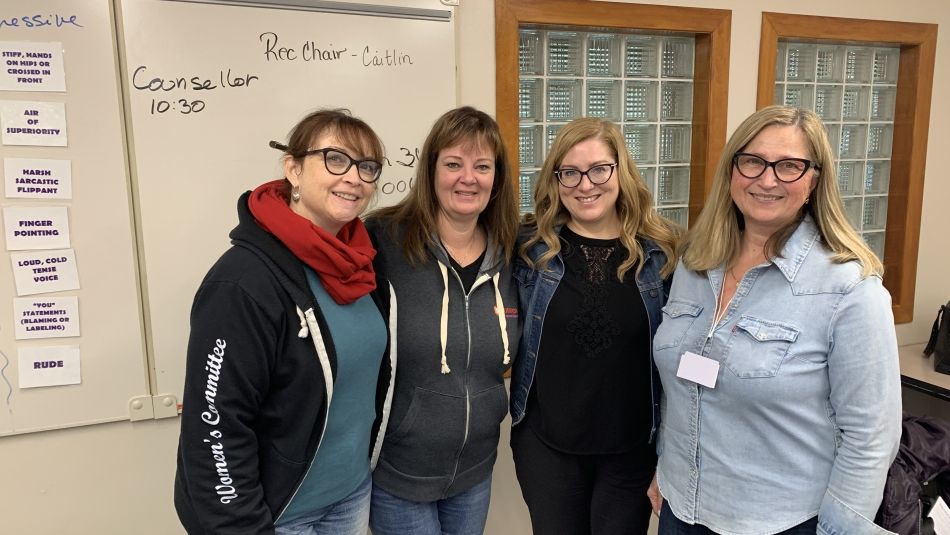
(918, 45)
(712, 30)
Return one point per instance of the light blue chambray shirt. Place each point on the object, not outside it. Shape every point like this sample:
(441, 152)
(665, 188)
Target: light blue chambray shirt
(805, 417)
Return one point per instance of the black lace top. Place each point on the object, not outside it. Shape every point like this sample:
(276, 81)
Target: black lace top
(591, 391)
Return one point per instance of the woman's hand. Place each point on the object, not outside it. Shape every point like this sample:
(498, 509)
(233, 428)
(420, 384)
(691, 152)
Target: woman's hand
(656, 499)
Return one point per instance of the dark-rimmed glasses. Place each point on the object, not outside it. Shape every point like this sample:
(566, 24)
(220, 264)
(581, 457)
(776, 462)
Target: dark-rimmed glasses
(598, 174)
(338, 163)
(785, 170)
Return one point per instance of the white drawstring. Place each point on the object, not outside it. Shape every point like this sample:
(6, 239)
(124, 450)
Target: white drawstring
(444, 321)
(502, 320)
(304, 330)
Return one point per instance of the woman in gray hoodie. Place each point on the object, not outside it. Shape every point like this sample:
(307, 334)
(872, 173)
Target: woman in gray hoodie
(443, 259)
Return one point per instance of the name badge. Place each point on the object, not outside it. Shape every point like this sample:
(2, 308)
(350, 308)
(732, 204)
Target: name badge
(698, 369)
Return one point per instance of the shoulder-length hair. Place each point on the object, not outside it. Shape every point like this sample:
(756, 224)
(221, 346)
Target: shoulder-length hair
(418, 211)
(714, 240)
(634, 205)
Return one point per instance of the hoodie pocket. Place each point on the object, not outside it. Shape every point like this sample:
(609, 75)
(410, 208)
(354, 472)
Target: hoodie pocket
(488, 409)
(428, 436)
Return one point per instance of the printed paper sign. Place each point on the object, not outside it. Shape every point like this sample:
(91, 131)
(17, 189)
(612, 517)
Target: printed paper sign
(49, 366)
(36, 227)
(32, 66)
(39, 272)
(29, 178)
(33, 123)
(50, 317)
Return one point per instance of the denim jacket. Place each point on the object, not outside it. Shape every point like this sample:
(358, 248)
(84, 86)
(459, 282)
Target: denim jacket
(535, 290)
(805, 415)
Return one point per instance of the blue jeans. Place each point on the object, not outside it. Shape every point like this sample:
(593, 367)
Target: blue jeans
(462, 514)
(670, 525)
(349, 516)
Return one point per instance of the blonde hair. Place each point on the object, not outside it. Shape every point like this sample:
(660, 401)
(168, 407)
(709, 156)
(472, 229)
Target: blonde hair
(714, 239)
(634, 205)
(419, 209)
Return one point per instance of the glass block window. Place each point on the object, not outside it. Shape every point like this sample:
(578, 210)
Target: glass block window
(642, 82)
(853, 90)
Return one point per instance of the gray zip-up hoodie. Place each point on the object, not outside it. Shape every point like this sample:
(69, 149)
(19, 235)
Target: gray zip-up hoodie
(452, 349)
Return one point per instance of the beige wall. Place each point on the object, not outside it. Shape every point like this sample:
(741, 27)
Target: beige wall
(117, 478)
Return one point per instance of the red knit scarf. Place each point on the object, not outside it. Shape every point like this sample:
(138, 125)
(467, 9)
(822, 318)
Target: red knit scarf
(344, 262)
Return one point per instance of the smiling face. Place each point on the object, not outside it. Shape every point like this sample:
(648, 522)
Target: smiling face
(766, 203)
(327, 200)
(464, 176)
(593, 207)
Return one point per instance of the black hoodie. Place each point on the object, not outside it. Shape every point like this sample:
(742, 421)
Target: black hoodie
(258, 383)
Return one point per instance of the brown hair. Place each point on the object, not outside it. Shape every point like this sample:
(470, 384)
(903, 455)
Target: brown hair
(351, 131)
(418, 211)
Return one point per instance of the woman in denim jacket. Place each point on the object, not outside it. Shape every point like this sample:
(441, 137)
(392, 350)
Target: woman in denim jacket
(777, 350)
(584, 393)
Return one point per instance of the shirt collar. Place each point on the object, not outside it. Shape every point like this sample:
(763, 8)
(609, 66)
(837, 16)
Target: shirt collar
(797, 247)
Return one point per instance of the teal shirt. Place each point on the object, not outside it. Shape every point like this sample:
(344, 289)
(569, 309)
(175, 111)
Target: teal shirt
(342, 462)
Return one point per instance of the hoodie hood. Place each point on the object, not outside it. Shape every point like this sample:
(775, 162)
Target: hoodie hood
(282, 262)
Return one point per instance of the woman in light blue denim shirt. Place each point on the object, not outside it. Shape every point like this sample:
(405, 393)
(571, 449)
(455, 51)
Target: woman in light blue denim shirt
(777, 350)
(592, 276)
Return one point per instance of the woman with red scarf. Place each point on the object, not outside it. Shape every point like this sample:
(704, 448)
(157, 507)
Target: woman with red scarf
(288, 363)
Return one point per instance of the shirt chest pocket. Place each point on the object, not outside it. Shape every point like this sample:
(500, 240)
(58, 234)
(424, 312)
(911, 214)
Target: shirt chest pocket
(678, 317)
(525, 276)
(757, 347)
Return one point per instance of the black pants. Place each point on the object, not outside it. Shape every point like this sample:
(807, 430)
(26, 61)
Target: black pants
(583, 494)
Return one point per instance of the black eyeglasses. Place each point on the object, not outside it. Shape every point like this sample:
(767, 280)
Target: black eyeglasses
(598, 174)
(338, 162)
(786, 170)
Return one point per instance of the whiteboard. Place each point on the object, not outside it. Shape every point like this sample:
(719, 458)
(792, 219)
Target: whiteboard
(209, 85)
(111, 341)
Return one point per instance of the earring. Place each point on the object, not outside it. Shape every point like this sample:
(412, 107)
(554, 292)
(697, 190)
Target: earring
(806, 199)
(295, 194)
